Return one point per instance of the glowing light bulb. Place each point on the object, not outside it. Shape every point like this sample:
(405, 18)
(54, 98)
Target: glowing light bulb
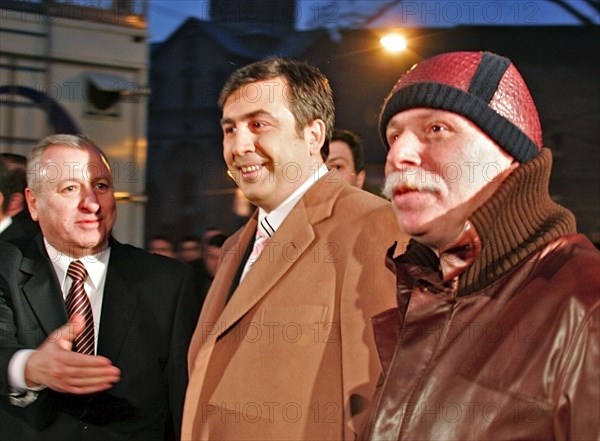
(393, 42)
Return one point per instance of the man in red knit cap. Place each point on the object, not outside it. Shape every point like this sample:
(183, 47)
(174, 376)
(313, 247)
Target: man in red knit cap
(496, 334)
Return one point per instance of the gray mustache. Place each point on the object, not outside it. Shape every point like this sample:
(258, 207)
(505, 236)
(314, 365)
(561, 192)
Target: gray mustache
(412, 180)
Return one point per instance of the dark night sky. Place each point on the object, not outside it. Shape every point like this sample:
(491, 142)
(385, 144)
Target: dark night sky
(166, 15)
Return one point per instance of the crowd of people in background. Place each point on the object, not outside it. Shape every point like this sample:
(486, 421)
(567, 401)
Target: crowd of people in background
(447, 309)
(201, 252)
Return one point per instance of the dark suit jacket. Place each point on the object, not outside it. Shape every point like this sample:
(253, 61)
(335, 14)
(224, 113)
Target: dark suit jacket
(202, 279)
(149, 311)
(22, 225)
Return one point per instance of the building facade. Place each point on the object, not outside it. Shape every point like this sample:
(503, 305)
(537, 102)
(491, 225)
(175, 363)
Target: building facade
(80, 67)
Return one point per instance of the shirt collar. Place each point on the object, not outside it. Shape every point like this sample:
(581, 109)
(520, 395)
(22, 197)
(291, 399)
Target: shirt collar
(95, 264)
(5, 223)
(278, 214)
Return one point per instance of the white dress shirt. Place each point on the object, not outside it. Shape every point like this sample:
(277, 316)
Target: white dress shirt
(278, 214)
(5, 223)
(272, 220)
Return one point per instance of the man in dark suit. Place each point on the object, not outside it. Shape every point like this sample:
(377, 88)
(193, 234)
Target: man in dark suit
(144, 309)
(15, 220)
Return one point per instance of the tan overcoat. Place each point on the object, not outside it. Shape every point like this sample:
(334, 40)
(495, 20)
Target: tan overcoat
(291, 355)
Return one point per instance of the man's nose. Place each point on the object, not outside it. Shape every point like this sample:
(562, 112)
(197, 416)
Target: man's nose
(405, 150)
(242, 142)
(89, 201)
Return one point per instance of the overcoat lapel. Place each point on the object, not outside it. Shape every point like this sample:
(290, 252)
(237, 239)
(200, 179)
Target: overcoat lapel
(41, 288)
(231, 260)
(291, 240)
(287, 245)
(119, 303)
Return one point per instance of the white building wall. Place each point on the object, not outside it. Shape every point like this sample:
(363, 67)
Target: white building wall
(55, 56)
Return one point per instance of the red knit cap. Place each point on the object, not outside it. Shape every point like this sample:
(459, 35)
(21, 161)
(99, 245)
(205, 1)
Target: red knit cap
(483, 87)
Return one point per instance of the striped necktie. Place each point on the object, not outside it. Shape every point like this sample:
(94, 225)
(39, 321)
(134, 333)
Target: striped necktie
(264, 231)
(78, 302)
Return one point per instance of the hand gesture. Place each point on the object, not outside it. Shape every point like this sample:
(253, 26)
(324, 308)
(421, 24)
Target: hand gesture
(54, 365)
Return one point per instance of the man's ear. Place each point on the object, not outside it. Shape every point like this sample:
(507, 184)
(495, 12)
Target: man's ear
(360, 178)
(31, 203)
(315, 133)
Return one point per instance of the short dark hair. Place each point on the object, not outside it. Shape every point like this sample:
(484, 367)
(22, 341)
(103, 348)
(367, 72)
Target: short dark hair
(217, 240)
(5, 186)
(16, 166)
(310, 95)
(355, 144)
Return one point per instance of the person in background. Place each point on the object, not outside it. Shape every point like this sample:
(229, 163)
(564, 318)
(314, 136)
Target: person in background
(162, 245)
(194, 250)
(189, 249)
(212, 256)
(346, 156)
(208, 234)
(16, 220)
(496, 332)
(283, 349)
(94, 332)
(206, 268)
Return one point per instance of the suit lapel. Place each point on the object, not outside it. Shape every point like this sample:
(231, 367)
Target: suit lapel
(119, 303)
(41, 288)
(43, 293)
(293, 239)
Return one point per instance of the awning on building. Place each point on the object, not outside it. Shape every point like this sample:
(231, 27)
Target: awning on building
(110, 82)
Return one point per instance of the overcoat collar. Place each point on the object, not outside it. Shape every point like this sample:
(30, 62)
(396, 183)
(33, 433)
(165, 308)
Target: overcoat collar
(293, 238)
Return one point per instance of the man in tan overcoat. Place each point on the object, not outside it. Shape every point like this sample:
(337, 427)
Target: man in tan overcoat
(284, 349)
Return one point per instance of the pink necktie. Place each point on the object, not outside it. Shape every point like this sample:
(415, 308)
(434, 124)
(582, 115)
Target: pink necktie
(259, 244)
(78, 302)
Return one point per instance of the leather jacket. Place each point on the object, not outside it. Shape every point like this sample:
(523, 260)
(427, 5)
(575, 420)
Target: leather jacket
(499, 337)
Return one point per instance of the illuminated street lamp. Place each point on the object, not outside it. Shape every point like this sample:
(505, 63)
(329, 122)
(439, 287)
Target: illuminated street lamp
(393, 42)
